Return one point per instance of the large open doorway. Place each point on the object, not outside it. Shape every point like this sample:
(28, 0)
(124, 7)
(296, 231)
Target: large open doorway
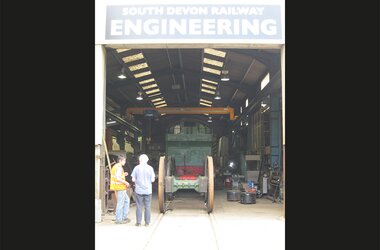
(183, 100)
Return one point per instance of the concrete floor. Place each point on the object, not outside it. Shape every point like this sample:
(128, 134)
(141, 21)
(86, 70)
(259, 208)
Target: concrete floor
(187, 225)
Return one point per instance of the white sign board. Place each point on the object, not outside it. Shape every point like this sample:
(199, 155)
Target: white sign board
(203, 23)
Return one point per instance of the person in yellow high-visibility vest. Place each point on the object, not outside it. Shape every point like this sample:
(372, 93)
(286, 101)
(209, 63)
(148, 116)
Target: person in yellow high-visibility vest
(119, 185)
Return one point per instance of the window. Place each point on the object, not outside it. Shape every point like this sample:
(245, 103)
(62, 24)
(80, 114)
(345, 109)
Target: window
(265, 81)
(177, 129)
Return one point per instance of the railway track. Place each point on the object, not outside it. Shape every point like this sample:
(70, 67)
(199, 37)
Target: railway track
(185, 225)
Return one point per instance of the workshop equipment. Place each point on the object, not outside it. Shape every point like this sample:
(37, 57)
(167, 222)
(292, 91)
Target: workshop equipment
(228, 182)
(233, 195)
(248, 198)
(265, 184)
(275, 182)
(235, 182)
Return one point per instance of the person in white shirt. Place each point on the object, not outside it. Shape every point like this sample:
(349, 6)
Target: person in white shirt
(143, 176)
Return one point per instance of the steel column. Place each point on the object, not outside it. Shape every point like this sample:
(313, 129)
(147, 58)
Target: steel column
(283, 120)
(100, 103)
(275, 130)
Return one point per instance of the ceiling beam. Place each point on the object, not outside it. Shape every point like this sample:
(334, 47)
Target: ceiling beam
(273, 84)
(121, 62)
(177, 70)
(112, 103)
(271, 60)
(173, 76)
(127, 71)
(182, 74)
(200, 80)
(123, 122)
(242, 80)
(185, 111)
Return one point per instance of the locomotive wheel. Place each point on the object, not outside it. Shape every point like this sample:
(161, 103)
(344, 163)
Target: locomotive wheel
(161, 185)
(210, 184)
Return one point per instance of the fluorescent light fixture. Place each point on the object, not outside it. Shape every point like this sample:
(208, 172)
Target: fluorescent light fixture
(265, 109)
(158, 103)
(133, 58)
(224, 76)
(138, 66)
(160, 106)
(217, 95)
(208, 91)
(152, 91)
(149, 86)
(210, 70)
(215, 52)
(209, 81)
(145, 73)
(205, 101)
(139, 96)
(147, 80)
(121, 50)
(205, 104)
(213, 62)
(158, 99)
(111, 122)
(122, 74)
(208, 86)
(154, 94)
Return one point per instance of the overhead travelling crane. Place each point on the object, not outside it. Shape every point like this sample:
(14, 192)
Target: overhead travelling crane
(184, 111)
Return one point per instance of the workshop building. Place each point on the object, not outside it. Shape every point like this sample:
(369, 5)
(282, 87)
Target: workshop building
(200, 88)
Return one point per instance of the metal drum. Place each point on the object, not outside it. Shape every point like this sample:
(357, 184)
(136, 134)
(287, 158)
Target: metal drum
(233, 195)
(248, 198)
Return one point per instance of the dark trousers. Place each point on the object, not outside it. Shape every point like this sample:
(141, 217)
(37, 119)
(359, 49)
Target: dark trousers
(143, 200)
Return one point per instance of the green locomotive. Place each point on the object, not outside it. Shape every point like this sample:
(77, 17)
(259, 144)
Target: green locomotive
(187, 164)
